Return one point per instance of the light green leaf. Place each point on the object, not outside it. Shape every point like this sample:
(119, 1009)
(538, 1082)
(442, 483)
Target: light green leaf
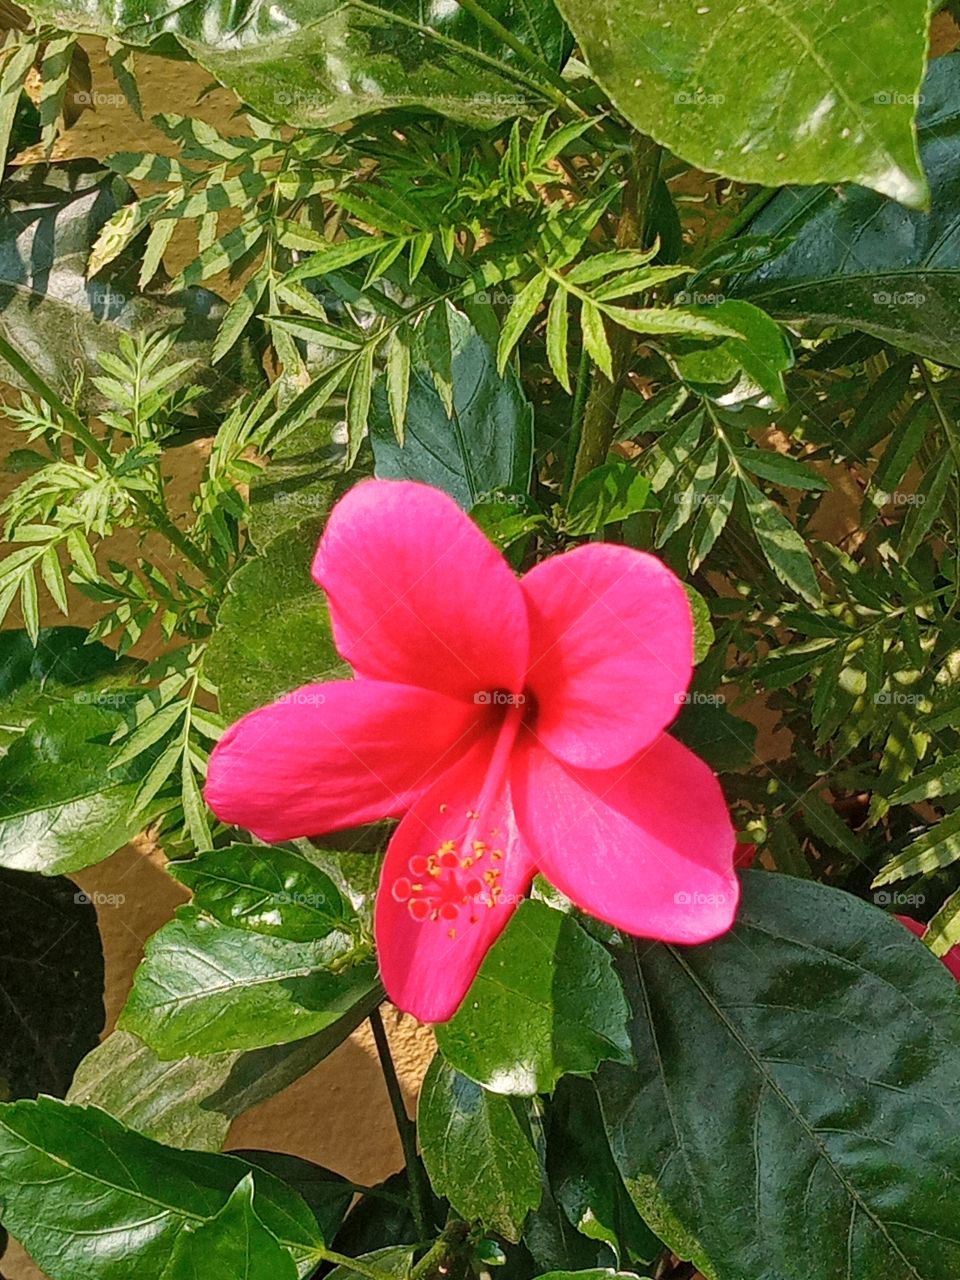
(829, 94)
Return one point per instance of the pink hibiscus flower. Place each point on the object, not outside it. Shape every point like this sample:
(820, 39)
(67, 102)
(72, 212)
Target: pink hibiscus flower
(951, 959)
(514, 725)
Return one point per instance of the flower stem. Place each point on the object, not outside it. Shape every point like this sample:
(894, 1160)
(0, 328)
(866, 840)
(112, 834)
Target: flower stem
(603, 402)
(405, 1127)
(439, 1258)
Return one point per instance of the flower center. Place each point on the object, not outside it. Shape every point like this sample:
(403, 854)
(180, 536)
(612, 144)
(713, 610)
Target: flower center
(460, 877)
(457, 878)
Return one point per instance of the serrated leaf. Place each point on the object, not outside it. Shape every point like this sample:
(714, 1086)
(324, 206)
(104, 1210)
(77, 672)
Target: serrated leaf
(205, 988)
(782, 546)
(478, 1150)
(524, 307)
(267, 890)
(555, 987)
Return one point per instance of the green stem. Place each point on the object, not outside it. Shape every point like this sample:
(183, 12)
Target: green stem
(603, 402)
(82, 433)
(439, 1259)
(405, 1127)
(581, 391)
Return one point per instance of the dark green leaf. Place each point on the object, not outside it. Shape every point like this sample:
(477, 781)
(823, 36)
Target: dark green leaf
(273, 630)
(859, 260)
(704, 724)
(91, 1200)
(486, 444)
(31, 676)
(327, 1193)
(51, 983)
(61, 807)
(555, 988)
(267, 890)
(830, 96)
(585, 1181)
(204, 988)
(478, 1150)
(794, 1109)
(233, 1245)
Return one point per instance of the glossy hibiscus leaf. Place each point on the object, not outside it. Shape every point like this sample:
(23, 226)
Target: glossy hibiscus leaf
(859, 260)
(297, 487)
(233, 1245)
(273, 630)
(272, 890)
(486, 443)
(32, 675)
(826, 93)
(192, 1101)
(795, 1108)
(61, 806)
(204, 988)
(328, 1194)
(556, 989)
(314, 63)
(92, 1200)
(50, 216)
(586, 1183)
(478, 1150)
(51, 976)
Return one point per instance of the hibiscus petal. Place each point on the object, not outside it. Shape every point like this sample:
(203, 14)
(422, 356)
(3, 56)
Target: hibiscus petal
(647, 847)
(452, 878)
(335, 755)
(611, 652)
(418, 595)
